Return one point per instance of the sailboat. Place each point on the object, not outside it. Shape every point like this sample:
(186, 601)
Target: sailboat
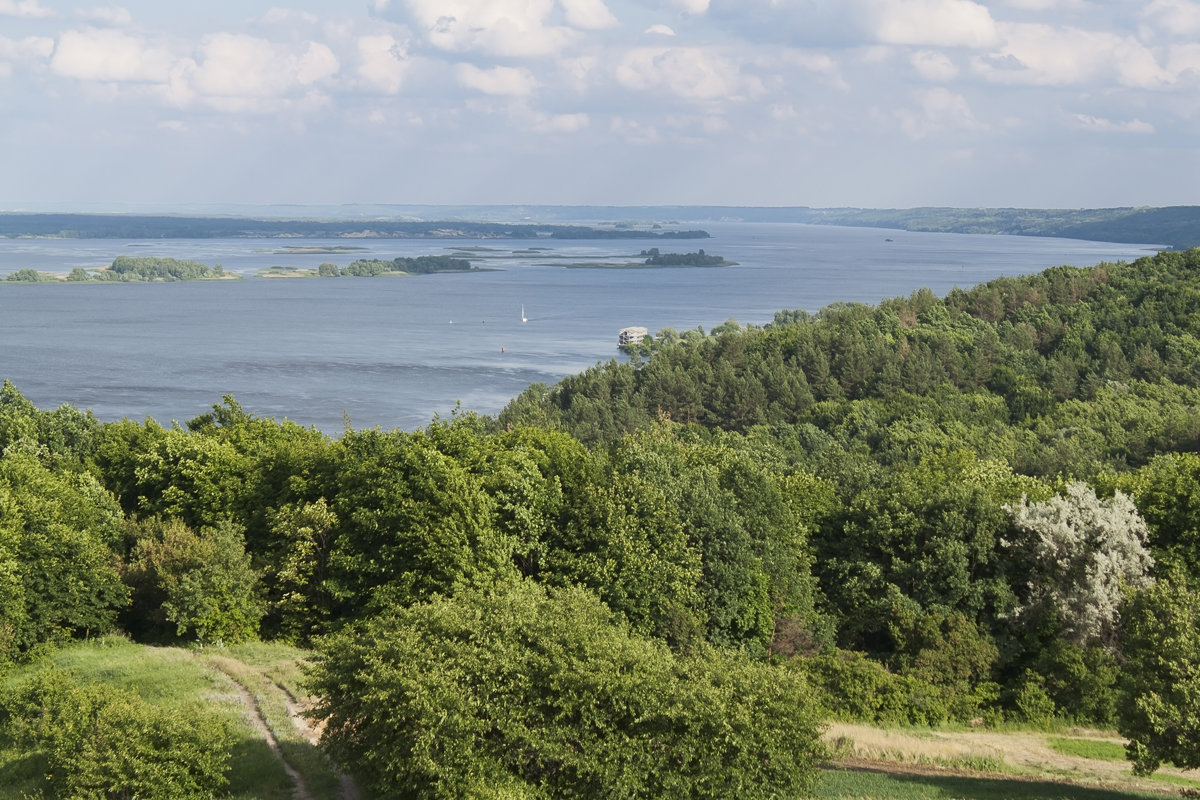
(524, 319)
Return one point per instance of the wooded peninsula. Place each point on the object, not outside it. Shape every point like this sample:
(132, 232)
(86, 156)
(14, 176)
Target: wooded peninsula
(659, 578)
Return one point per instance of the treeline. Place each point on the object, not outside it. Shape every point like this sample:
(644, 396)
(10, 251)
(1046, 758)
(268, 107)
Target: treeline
(372, 267)
(155, 268)
(983, 507)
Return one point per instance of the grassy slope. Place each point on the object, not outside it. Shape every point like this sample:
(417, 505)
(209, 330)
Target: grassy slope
(176, 675)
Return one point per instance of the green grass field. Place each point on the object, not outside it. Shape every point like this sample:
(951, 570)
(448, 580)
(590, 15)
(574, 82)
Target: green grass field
(1088, 748)
(179, 677)
(869, 785)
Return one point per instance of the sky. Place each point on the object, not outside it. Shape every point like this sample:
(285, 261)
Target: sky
(869, 103)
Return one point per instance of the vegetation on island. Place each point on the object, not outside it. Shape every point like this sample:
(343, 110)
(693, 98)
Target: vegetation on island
(375, 267)
(126, 269)
(660, 577)
(698, 259)
(421, 265)
(152, 268)
(31, 276)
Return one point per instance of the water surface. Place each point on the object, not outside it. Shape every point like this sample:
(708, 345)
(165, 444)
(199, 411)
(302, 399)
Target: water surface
(393, 352)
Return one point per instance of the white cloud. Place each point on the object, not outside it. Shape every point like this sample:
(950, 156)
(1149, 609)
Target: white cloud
(95, 54)
(934, 66)
(588, 14)
(634, 131)
(944, 23)
(1180, 18)
(31, 47)
(383, 62)
(560, 123)
(1109, 126)
(276, 16)
(938, 110)
(511, 28)
(660, 30)
(25, 9)
(1042, 55)
(819, 63)
(107, 15)
(510, 81)
(1183, 59)
(691, 73)
(235, 72)
(689, 6)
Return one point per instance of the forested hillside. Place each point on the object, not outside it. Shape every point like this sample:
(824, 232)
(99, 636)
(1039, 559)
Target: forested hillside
(980, 507)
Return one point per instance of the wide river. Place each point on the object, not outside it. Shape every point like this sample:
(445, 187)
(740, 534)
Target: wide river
(393, 352)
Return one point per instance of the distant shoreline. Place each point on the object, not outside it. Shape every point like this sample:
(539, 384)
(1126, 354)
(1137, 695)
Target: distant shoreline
(1172, 226)
(119, 226)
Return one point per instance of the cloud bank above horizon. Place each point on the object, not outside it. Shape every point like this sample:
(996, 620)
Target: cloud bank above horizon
(886, 103)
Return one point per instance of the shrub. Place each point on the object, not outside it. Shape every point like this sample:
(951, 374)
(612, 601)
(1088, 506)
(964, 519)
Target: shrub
(101, 743)
(530, 693)
(201, 582)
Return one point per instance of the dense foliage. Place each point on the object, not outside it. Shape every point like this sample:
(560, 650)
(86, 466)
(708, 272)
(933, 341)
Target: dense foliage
(698, 259)
(929, 510)
(101, 743)
(529, 693)
(151, 268)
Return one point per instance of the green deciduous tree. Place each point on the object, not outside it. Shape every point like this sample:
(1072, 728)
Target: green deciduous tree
(412, 521)
(197, 582)
(58, 575)
(1160, 709)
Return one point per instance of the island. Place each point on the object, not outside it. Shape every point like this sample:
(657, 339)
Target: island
(127, 269)
(698, 259)
(654, 259)
(375, 267)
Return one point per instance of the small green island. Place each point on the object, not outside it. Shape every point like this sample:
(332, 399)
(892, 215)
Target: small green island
(698, 259)
(654, 259)
(129, 269)
(375, 267)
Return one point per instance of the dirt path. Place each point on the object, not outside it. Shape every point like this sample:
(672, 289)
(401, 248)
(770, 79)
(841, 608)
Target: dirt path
(255, 717)
(1026, 753)
(234, 670)
(295, 709)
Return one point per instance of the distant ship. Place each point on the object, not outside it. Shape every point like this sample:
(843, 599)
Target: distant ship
(524, 319)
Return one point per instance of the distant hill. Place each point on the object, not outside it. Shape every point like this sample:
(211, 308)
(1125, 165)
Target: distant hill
(137, 226)
(1173, 226)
